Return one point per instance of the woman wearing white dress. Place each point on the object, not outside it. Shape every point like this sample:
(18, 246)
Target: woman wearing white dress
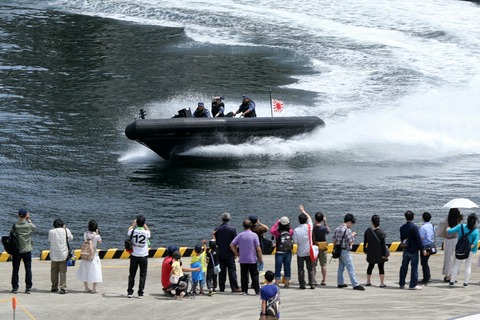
(453, 219)
(90, 271)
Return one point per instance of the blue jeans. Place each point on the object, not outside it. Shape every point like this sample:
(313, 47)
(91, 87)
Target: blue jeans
(345, 261)
(284, 259)
(411, 258)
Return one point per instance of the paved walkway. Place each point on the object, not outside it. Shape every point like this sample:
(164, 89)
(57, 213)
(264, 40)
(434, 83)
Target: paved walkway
(437, 301)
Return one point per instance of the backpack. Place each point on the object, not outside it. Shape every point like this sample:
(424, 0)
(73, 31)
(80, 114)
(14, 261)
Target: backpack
(87, 251)
(10, 242)
(273, 305)
(462, 249)
(285, 241)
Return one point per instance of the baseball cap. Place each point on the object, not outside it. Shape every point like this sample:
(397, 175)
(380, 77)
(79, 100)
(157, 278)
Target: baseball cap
(172, 249)
(22, 212)
(201, 104)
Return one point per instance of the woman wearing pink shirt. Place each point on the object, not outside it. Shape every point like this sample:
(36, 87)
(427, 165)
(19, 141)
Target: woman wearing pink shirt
(284, 244)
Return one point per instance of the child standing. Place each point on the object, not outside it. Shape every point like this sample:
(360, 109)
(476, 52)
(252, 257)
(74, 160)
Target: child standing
(270, 297)
(198, 261)
(212, 261)
(176, 274)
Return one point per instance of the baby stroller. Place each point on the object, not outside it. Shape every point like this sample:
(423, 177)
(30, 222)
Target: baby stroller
(183, 285)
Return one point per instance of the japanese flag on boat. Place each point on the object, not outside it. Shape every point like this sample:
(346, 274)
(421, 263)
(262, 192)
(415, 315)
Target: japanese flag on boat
(277, 105)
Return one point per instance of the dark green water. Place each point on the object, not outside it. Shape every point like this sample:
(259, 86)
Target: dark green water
(71, 83)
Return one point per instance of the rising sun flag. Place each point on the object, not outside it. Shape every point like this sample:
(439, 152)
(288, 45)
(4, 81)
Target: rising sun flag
(277, 105)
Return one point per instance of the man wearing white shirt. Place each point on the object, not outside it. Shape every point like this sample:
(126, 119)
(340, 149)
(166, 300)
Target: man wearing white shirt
(301, 236)
(140, 234)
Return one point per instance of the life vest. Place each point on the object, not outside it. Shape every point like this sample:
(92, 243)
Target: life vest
(245, 106)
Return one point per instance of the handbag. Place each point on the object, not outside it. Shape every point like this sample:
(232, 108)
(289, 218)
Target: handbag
(128, 243)
(337, 248)
(322, 246)
(313, 249)
(71, 258)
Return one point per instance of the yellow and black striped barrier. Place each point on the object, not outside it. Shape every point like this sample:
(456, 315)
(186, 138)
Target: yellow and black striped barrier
(185, 252)
(188, 252)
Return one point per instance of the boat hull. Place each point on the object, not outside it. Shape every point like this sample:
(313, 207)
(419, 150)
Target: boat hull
(171, 137)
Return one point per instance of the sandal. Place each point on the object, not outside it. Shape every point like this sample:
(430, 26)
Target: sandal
(323, 284)
(368, 284)
(383, 285)
(87, 290)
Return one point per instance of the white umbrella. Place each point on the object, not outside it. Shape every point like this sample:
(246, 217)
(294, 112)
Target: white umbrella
(460, 203)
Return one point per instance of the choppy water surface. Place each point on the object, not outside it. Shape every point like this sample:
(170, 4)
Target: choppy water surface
(396, 83)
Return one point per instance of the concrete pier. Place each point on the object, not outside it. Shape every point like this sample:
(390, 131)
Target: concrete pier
(435, 301)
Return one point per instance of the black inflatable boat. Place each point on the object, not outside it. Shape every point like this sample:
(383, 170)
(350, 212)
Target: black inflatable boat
(169, 138)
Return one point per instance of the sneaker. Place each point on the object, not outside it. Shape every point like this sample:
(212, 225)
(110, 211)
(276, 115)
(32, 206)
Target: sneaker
(211, 293)
(302, 287)
(54, 290)
(402, 287)
(129, 295)
(182, 294)
(415, 288)
(14, 291)
(312, 287)
(451, 284)
(465, 285)
(28, 291)
(359, 287)
(140, 297)
(244, 294)
(342, 285)
(63, 291)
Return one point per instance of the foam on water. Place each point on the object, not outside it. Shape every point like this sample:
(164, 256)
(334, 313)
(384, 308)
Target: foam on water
(395, 80)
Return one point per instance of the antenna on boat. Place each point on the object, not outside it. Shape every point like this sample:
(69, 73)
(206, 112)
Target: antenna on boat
(142, 114)
(271, 103)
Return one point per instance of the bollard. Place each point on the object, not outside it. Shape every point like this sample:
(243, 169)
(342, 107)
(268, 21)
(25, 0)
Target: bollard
(14, 306)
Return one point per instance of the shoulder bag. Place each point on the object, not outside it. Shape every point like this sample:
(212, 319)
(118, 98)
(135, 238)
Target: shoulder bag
(387, 252)
(10, 242)
(216, 267)
(313, 248)
(337, 249)
(128, 242)
(432, 249)
(70, 255)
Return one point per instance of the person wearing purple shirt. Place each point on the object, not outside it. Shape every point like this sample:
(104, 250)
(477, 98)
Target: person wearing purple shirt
(250, 252)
